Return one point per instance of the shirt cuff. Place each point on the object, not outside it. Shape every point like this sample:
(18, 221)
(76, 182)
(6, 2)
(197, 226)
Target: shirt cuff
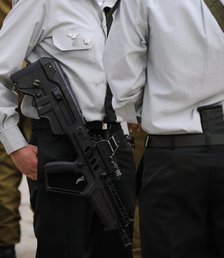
(128, 113)
(12, 139)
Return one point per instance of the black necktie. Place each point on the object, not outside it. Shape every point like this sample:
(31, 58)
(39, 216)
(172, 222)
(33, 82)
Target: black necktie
(110, 113)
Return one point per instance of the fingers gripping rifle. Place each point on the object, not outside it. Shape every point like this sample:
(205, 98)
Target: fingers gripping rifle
(45, 81)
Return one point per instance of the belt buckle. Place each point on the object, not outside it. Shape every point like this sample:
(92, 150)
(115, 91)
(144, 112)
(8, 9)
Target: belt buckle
(104, 126)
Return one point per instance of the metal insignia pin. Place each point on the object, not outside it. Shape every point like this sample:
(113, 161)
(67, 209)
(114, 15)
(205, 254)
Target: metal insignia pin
(73, 35)
(87, 41)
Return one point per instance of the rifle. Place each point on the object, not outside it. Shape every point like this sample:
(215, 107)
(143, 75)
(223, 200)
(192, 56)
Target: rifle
(46, 82)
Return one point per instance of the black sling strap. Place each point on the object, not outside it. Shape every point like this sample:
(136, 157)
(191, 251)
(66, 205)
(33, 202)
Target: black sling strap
(217, 9)
(110, 113)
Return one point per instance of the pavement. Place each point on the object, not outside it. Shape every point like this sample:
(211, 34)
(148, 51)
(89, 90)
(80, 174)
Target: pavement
(27, 246)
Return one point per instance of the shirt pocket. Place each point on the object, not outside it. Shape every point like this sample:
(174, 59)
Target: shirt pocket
(73, 40)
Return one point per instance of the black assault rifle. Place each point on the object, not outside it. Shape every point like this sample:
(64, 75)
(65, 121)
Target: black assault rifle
(94, 165)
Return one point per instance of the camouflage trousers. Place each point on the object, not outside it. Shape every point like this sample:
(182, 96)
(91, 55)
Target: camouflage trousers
(139, 147)
(10, 179)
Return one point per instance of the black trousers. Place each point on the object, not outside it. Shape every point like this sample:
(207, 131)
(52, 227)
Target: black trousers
(67, 226)
(181, 203)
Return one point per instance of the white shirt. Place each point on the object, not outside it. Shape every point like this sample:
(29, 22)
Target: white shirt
(100, 2)
(74, 33)
(163, 60)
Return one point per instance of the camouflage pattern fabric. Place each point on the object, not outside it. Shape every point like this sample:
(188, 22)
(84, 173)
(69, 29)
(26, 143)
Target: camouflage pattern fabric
(139, 148)
(5, 6)
(217, 9)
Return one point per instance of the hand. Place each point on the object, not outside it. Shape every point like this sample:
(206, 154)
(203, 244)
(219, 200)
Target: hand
(134, 128)
(25, 160)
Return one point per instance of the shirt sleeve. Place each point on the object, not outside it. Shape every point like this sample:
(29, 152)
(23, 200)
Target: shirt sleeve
(21, 30)
(125, 59)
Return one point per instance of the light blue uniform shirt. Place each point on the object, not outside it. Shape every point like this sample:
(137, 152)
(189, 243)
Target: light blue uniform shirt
(73, 32)
(164, 59)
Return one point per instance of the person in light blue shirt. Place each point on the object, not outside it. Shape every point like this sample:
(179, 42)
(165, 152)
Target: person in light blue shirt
(164, 62)
(74, 34)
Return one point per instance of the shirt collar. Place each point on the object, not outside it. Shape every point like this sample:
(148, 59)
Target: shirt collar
(100, 2)
(104, 3)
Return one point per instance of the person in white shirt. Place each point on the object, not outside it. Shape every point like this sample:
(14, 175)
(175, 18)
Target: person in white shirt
(73, 33)
(164, 62)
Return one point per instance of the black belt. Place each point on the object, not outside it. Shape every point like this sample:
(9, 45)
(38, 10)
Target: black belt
(184, 140)
(113, 135)
(98, 125)
(106, 130)
(39, 124)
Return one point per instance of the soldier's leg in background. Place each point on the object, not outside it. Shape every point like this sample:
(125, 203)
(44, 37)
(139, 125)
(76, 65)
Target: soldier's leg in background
(139, 137)
(10, 179)
(5, 6)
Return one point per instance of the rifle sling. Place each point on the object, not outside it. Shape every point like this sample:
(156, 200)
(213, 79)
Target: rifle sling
(217, 9)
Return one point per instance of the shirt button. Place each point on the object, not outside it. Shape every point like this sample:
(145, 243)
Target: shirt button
(87, 41)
